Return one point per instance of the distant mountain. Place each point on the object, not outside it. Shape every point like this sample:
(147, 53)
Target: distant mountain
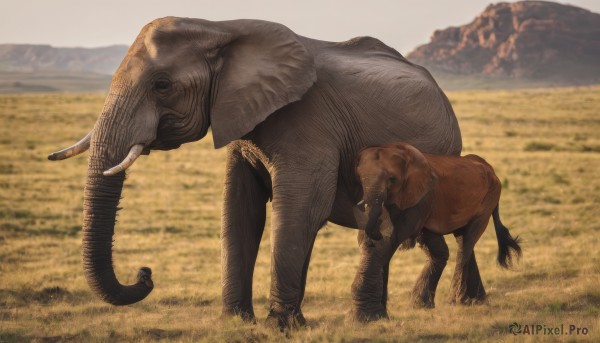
(529, 41)
(43, 68)
(29, 58)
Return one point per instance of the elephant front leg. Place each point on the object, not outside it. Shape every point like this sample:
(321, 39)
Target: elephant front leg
(288, 283)
(435, 247)
(243, 221)
(300, 209)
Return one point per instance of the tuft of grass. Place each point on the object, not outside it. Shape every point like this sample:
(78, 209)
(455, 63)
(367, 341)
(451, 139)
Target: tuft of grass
(6, 168)
(539, 146)
(556, 307)
(590, 148)
(559, 179)
(551, 200)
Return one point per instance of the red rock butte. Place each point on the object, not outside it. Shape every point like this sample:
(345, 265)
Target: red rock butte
(523, 40)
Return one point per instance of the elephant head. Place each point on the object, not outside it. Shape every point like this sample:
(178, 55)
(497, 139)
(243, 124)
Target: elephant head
(179, 77)
(397, 176)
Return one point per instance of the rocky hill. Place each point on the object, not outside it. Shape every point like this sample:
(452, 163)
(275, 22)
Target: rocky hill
(529, 40)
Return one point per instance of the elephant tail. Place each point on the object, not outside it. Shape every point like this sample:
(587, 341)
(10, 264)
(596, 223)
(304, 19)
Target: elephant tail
(506, 242)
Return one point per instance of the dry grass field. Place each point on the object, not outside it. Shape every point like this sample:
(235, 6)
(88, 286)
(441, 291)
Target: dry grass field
(544, 144)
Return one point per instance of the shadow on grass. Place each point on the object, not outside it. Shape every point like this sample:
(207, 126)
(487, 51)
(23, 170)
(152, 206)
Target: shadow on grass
(177, 301)
(45, 296)
(585, 304)
(17, 336)
(19, 231)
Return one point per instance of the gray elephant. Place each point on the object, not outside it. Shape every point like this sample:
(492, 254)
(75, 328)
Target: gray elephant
(293, 113)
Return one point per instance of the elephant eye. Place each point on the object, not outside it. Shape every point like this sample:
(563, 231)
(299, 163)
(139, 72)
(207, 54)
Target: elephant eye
(162, 85)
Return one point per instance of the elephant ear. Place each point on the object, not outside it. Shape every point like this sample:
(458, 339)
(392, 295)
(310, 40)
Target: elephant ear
(418, 178)
(264, 67)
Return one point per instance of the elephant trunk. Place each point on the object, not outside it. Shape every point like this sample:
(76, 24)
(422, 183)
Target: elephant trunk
(372, 227)
(101, 201)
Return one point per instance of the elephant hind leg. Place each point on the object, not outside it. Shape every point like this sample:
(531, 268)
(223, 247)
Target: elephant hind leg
(466, 272)
(435, 247)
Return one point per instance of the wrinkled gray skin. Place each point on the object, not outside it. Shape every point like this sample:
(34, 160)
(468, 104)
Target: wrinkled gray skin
(293, 113)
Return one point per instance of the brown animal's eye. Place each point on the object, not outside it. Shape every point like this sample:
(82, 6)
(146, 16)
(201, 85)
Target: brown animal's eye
(393, 180)
(162, 85)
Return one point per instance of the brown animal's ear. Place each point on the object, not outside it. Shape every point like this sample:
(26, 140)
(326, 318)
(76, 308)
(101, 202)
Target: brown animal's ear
(264, 67)
(417, 177)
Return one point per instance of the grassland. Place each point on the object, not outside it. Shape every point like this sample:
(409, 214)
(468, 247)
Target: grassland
(544, 144)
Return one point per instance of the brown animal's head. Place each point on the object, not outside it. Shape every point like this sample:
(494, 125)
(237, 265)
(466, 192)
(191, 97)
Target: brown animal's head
(394, 175)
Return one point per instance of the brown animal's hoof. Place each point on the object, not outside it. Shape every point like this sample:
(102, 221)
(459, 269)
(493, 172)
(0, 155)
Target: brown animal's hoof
(473, 301)
(476, 293)
(423, 305)
(423, 300)
(367, 317)
(285, 319)
(467, 301)
(419, 303)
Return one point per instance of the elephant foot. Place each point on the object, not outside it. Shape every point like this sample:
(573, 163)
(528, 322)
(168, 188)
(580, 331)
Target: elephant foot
(247, 315)
(283, 318)
(363, 316)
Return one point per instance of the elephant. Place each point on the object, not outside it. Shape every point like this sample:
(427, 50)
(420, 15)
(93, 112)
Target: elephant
(428, 196)
(292, 112)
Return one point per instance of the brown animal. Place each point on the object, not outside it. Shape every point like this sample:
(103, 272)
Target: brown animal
(428, 196)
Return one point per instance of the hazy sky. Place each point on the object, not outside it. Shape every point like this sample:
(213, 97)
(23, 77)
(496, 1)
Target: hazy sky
(403, 24)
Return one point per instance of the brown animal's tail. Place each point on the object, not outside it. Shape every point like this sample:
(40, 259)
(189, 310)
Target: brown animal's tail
(505, 242)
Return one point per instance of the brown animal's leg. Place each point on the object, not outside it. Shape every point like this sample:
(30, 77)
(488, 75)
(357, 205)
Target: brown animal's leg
(436, 249)
(243, 221)
(369, 289)
(475, 290)
(386, 274)
(466, 238)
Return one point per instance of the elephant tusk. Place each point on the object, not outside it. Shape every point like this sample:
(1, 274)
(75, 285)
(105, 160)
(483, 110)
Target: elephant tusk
(73, 150)
(134, 153)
